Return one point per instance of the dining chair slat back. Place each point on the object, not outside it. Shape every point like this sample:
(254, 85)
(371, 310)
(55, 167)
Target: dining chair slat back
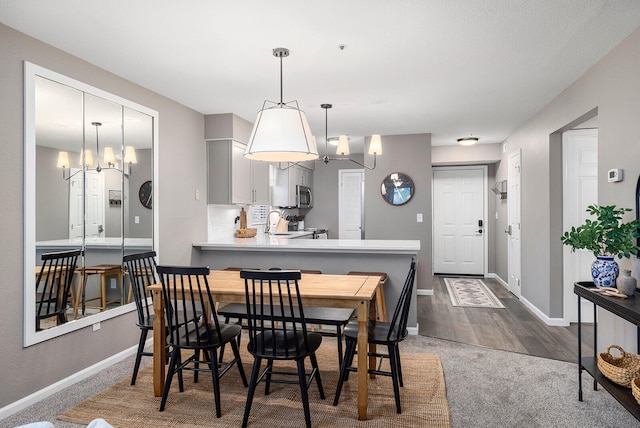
(193, 325)
(278, 331)
(388, 334)
(141, 269)
(53, 285)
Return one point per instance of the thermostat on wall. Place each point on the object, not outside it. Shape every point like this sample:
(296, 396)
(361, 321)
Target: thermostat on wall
(615, 175)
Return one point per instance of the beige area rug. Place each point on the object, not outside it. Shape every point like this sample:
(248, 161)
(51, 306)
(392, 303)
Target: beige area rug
(471, 293)
(423, 399)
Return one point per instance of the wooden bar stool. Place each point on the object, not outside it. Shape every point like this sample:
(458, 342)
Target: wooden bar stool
(381, 306)
(104, 271)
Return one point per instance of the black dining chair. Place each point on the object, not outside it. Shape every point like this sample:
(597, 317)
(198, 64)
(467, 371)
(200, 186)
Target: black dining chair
(53, 285)
(388, 334)
(193, 325)
(278, 331)
(337, 318)
(141, 269)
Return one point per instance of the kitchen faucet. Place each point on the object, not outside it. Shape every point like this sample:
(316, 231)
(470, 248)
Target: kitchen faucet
(267, 229)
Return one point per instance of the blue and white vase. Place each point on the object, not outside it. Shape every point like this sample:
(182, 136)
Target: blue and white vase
(604, 271)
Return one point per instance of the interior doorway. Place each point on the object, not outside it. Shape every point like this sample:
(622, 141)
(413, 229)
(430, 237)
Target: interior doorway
(351, 204)
(459, 220)
(579, 189)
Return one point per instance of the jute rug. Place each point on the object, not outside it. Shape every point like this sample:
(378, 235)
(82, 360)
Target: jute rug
(471, 293)
(423, 399)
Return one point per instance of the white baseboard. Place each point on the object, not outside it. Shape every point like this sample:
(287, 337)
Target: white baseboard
(497, 278)
(27, 401)
(424, 292)
(413, 330)
(554, 322)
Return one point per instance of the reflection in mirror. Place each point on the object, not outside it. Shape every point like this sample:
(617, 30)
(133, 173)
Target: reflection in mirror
(91, 150)
(397, 188)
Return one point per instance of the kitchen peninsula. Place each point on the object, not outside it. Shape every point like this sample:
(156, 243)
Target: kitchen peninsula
(332, 256)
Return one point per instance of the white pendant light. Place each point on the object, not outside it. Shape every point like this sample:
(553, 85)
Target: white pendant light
(130, 155)
(281, 132)
(343, 145)
(375, 145)
(109, 157)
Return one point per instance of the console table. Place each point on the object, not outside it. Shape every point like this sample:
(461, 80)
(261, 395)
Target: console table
(628, 309)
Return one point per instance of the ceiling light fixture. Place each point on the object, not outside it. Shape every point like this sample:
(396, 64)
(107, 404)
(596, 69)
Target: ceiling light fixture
(468, 141)
(86, 158)
(281, 132)
(375, 145)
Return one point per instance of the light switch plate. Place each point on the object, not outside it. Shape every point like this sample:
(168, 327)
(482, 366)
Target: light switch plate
(419, 218)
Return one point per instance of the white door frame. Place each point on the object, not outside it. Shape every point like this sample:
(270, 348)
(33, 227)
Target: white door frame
(485, 193)
(579, 189)
(514, 246)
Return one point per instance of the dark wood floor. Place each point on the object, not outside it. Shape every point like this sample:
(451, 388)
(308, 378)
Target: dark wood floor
(514, 328)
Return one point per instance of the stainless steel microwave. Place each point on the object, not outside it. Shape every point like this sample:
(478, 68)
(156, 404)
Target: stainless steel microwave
(304, 198)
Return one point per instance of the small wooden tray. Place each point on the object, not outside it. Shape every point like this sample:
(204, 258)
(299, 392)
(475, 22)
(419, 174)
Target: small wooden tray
(246, 233)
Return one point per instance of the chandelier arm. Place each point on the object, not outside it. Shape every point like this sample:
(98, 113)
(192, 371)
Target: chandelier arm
(327, 159)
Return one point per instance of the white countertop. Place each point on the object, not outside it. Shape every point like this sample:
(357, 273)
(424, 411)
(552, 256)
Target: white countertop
(284, 243)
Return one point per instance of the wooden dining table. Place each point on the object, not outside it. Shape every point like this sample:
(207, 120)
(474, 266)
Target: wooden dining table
(340, 291)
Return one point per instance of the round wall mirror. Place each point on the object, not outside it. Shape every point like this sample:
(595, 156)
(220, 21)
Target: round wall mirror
(397, 188)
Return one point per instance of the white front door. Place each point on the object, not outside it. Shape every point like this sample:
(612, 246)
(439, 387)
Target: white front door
(513, 228)
(459, 220)
(580, 189)
(351, 201)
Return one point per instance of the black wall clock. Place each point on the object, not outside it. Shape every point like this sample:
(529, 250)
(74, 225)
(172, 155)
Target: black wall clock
(146, 194)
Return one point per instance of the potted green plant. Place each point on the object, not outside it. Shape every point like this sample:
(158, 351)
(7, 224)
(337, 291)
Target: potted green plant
(606, 237)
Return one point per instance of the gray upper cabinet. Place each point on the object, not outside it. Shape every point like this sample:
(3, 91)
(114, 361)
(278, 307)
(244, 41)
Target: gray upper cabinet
(228, 173)
(260, 182)
(232, 178)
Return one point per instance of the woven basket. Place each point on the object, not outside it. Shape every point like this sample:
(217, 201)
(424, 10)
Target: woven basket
(635, 388)
(621, 369)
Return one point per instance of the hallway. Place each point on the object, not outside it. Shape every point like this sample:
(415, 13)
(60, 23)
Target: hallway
(514, 328)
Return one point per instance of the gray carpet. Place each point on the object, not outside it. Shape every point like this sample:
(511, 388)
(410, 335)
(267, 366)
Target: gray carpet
(485, 388)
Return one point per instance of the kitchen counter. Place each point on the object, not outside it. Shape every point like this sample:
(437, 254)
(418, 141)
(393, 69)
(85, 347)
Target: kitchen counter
(333, 256)
(284, 243)
(98, 250)
(102, 243)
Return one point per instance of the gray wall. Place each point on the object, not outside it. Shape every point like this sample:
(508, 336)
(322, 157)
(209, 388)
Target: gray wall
(182, 219)
(611, 86)
(410, 154)
(55, 200)
(140, 172)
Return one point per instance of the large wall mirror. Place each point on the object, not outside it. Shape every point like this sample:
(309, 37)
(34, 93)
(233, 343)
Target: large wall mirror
(87, 153)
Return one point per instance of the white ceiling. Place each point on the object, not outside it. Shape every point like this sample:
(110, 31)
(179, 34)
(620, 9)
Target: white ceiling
(447, 67)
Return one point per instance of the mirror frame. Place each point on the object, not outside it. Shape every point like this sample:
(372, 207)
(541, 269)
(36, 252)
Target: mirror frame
(388, 177)
(31, 70)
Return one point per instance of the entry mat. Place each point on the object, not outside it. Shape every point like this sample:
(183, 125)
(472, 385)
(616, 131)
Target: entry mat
(471, 293)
